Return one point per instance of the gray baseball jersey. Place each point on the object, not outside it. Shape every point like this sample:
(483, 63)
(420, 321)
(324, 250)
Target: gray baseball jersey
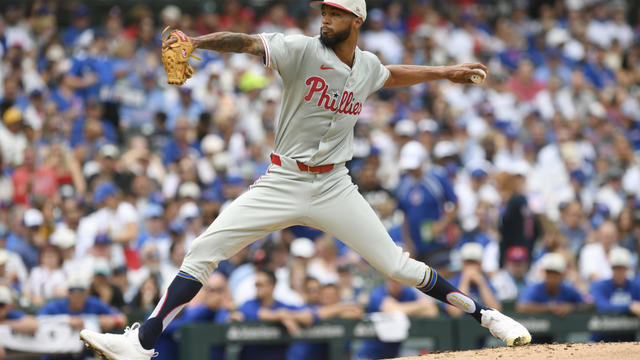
(322, 97)
(321, 103)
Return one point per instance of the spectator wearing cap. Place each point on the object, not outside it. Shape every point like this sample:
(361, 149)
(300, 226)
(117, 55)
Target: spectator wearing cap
(472, 280)
(471, 190)
(618, 294)
(79, 304)
(483, 233)
(48, 279)
(12, 138)
(518, 225)
(101, 286)
(212, 309)
(510, 281)
(429, 205)
(114, 217)
(552, 295)
(27, 239)
(155, 231)
(611, 193)
(191, 219)
(16, 320)
(380, 40)
(594, 257)
(65, 239)
(79, 28)
(111, 168)
(573, 225)
(93, 72)
(393, 297)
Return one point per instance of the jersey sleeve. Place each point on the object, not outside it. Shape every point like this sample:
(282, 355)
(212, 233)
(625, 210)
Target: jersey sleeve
(284, 53)
(378, 74)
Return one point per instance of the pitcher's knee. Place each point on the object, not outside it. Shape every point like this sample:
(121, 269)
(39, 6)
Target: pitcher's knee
(199, 269)
(402, 275)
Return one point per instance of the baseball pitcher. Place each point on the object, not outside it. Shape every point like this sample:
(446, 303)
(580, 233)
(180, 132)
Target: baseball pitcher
(326, 81)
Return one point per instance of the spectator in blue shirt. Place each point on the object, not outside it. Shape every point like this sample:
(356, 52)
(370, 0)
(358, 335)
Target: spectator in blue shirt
(27, 240)
(185, 107)
(80, 26)
(393, 297)
(16, 320)
(266, 308)
(428, 202)
(324, 303)
(79, 303)
(617, 295)
(178, 146)
(211, 310)
(553, 295)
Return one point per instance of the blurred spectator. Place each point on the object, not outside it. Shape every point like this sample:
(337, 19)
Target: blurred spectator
(155, 231)
(266, 308)
(82, 307)
(101, 286)
(114, 217)
(472, 280)
(393, 297)
(27, 239)
(12, 138)
(213, 309)
(47, 280)
(16, 320)
(324, 265)
(594, 257)
(618, 294)
(147, 296)
(573, 226)
(428, 202)
(553, 295)
(324, 303)
(518, 225)
(511, 281)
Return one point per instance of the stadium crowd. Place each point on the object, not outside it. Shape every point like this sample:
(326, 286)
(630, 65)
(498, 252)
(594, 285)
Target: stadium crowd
(523, 190)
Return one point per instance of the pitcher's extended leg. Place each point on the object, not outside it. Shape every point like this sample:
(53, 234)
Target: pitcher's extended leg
(272, 204)
(350, 218)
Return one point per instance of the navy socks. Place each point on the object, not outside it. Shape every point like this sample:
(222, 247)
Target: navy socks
(182, 289)
(439, 288)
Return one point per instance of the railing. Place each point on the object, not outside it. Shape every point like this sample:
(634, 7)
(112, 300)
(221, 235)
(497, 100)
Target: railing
(441, 333)
(446, 333)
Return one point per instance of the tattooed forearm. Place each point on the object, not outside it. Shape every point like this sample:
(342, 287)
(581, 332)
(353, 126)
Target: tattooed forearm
(231, 42)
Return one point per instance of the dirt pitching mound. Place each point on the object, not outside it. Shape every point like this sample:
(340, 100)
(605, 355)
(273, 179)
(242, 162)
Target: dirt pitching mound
(591, 351)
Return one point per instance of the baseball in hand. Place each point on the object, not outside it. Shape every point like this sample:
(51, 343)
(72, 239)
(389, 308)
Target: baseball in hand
(477, 79)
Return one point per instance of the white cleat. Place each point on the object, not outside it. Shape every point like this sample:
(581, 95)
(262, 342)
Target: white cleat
(505, 328)
(117, 347)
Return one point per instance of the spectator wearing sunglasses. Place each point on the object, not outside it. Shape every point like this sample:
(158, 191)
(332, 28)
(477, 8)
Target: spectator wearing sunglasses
(213, 309)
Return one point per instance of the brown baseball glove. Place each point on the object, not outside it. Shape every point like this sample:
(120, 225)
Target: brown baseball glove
(175, 57)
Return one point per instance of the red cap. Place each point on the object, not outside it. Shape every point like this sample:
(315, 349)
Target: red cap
(517, 253)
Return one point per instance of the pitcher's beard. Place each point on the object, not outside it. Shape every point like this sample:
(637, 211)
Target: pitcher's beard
(337, 38)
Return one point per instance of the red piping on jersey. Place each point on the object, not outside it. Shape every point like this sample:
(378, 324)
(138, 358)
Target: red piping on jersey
(267, 62)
